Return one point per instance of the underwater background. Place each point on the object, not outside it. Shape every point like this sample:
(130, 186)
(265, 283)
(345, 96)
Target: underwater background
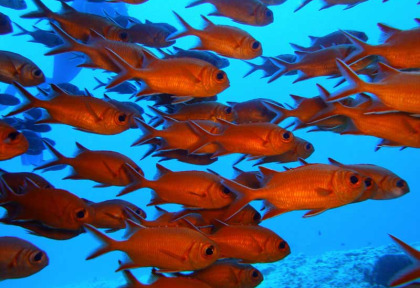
(363, 225)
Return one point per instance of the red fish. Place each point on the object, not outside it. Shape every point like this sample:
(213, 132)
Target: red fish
(13, 143)
(16, 68)
(410, 274)
(19, 258)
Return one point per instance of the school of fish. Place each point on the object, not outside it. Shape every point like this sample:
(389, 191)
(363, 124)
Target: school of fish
(216, 236)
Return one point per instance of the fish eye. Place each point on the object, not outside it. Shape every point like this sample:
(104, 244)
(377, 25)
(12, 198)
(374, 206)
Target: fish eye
(255, 273)
(38, 256)
(226, 190)
(13, 135)
(282, 245)
(257, 217)
(368, 182)
(210, 250)
(220, 76)
(287, 136)
(122, 117)
(81, 214)
(123, 36)
(268, 13)
(308, 146)
(228, 110)
(37, 73)
(354, 179)
(255, 45)
(400, 183)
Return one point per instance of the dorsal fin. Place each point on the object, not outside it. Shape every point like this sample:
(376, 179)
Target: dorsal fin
(297, 99)
(208, 22)
(162, 170)
(335, 163)
(267, 171)
(302, 161)
(67, 8)
(237, 171)
(81, 147)
(387, 31)
(386, 69)
(58, 90)
(160, 211)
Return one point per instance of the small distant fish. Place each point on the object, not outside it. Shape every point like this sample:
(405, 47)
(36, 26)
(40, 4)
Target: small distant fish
(16, 181)
(207, 56)
(12, 142)
(124, 88)
(251, 12)
(184, 156)
(411, 273)
(15, 67)
(8, 100)
(5, 24)
(48, 38)
(151, 34)
(14, 4)
(252, 111)
(20, 258)
(330, 3)
(225, 40)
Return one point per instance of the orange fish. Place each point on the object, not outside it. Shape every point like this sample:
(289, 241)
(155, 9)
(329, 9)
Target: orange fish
(253, 139)
(396, 89)
(184, 156)
(410, 274)
(389, 185)
(111, 214)
(95, 50)
(189, 76)
(13, 143)
(225, 40)
(55, 208)
(250, 243)
(229, 274)
(162, 281)
(400, 48)
(19, 258)
(109, 166)
(314, 187)
(252, 111)
(193, 188)
(169, 249)
(15, 67)
(79, 25)
(86, 113)
(251, 12)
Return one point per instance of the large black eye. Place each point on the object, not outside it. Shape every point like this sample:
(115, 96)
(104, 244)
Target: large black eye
(368, 182)
(220, 75)
(255, 273)
(257, 216)
(282, 245)
(286, 135)
(38, 256)
(268, 13)
(400, 183)
(225, 190)
(228, 110)
(308, 146)
(81, 214)
(37, 73)
(138, 212)
(13, 135)
(122, 118)
(354, 179)
(256, 45)
(123, 36)
(210, 250)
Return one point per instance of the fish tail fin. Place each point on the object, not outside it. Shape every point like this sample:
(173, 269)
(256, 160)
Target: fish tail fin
(281, 112)
(109, 243)
(205, 137)
(69, 43)
(244, 195)
(138, 180)
(23, 30)
(304, 3)
(127, 72)
(410, 273)
(43, 12)
(61, 159)
(189, 30)
(254, 67)
(287, 66)
(149, 132)
(362, 48)
(100, 84)
(195, 3)
(33, 102)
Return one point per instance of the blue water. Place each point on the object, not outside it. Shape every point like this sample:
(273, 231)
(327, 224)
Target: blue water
(357, 225)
